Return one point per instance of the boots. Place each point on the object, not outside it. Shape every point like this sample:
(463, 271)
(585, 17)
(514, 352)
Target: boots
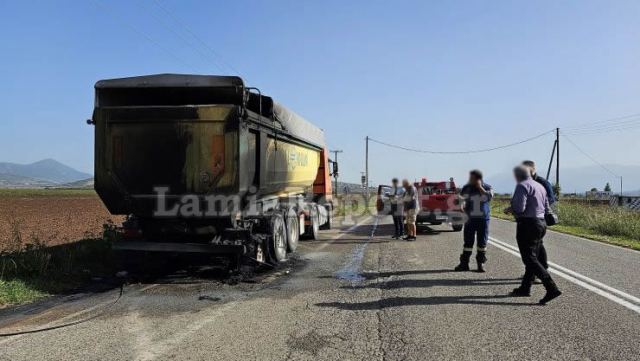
(481, 258)
(464, 262)
(552, 291)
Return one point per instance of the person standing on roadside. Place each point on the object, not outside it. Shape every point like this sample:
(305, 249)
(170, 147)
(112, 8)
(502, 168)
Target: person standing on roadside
(529, 204)
(542, 254)
(395, 196)
(410, 204)
(477, 196)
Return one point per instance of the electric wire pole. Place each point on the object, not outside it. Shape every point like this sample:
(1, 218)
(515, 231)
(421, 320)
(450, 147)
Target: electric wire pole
(366, 168)
(558, 161)
(335, 168)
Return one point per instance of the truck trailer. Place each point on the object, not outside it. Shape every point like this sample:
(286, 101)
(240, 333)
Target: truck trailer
(205, 164)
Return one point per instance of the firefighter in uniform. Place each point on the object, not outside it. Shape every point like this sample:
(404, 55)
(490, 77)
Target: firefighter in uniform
(477, 197)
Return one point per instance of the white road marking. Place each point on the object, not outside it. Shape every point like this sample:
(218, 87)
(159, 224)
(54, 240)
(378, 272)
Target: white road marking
(615, 295)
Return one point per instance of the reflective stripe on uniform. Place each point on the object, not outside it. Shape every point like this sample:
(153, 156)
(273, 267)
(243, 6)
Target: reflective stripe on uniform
(468, 249)
(482, 249)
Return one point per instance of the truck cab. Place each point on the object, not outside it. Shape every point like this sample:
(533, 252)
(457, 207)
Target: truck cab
(439, 203)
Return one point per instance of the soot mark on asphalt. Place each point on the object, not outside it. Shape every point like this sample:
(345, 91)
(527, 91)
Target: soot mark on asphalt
(311, 342)
(351, 271)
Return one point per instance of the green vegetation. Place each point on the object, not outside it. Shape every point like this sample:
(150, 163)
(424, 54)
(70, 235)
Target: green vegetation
(29, 271)
(47, 192)
(354, 205)
(598, 222)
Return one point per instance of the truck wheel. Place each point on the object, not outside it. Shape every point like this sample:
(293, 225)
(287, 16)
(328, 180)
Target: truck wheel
(457, 227)
(312, 230)
(293, 229)
(278, 238)
(329, 223)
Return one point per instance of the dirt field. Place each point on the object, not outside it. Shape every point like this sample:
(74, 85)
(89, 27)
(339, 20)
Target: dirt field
(52, 217)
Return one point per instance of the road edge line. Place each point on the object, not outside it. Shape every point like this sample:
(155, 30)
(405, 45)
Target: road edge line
(619, 300)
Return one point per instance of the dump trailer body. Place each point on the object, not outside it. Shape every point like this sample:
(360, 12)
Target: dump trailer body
(203, 163)
(184, 134)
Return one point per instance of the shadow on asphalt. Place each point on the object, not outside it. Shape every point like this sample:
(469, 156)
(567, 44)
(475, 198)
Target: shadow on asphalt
(395, 284)
(371, 275)
(423, 301)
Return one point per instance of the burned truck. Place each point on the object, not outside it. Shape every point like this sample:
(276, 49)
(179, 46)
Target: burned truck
(205, 164)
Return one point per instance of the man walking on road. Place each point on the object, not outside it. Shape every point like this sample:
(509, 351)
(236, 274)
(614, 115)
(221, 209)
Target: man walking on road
(395, 196)
(477, 196)
(529, 204)
(542, 254)
(410, 202)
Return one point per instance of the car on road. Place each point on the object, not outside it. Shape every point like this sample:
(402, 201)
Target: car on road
(439, 203)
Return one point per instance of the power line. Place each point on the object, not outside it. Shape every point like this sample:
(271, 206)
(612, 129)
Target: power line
(601, 122)
(462, 151)
(144, 35)
(196, 37)
(615, 127)
(589, 156)
(172, 29)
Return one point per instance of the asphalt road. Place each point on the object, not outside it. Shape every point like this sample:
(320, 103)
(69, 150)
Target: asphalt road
(357, 295)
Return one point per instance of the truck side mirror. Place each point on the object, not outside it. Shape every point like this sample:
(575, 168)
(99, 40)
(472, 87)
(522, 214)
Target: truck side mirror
(335, 167)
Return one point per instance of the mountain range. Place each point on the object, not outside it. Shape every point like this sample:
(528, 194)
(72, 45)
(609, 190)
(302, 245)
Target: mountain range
(51, 173)
(43, 173)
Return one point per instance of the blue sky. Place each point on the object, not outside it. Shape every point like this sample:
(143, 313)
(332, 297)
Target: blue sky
(424, 74)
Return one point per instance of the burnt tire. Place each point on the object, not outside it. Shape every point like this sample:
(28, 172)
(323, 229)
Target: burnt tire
(277, 238)
(457, 227)
(293, 229)
(312, 230)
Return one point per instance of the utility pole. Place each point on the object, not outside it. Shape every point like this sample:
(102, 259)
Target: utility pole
(620, 186)
(335, 168)
(553, 154)
(558, 159)
(366, 167)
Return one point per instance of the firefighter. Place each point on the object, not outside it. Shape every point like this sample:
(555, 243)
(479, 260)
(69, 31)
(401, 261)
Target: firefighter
(477, 197)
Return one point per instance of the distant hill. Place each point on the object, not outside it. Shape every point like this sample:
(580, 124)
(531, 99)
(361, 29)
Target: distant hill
(17, 181)
(580, 179)
(84, 183)
(46, 172)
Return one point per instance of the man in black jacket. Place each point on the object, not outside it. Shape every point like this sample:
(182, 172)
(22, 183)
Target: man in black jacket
(395, 199)
(542, 255)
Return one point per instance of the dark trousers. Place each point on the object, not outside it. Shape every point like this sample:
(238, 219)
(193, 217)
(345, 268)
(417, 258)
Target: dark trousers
(476, 229)
(529, 234)
(542, 255)
(398, 221)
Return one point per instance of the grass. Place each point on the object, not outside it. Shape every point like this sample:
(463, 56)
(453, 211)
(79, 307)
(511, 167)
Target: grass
(354, 205)
(32, 270)
(17, 291)
(46, 192)
(614, 225)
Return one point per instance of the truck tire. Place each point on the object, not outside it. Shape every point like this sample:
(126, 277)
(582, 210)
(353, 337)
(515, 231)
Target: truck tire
(312, 230)
(278, 238)
(457, 227)
(293, 229)
(329, 223)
